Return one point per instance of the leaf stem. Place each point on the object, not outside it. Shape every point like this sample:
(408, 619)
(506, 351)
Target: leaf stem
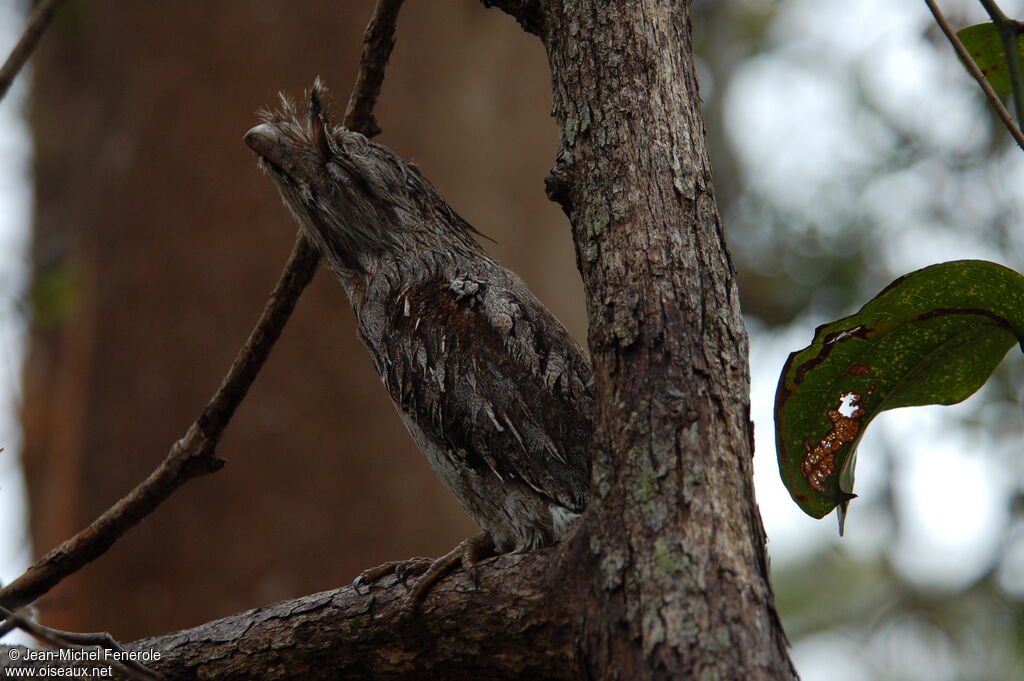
(973, 69)
(1008, 30)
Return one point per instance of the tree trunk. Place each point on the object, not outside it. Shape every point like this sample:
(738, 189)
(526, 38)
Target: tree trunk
(674, 550)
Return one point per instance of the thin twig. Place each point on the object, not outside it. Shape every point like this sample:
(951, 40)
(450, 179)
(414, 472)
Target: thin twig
(6, 626)
(194, 454)
(378, 40)
(1008, 36)
(972, 67)
(37, 23)
(190, 457)
(70, 639)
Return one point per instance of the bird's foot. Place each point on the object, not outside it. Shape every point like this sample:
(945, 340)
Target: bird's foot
(401, 569)
(468, 554)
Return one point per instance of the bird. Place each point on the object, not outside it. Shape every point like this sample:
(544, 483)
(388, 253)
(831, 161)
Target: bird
(489, 383)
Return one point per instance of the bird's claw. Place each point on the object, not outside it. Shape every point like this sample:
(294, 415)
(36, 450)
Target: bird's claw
(401, 569)
(412, 567)
(467, 555)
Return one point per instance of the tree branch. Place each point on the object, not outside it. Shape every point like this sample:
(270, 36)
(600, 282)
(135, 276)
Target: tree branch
(190, 457)
(37, 23)
(74, 640)
(973, 69)
(378, 41)
(529, 13)
(520, 622)
(194, 454)
(1007, 30)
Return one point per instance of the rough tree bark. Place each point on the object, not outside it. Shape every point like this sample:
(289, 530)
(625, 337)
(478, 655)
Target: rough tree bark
(675, 547)
(666, 575)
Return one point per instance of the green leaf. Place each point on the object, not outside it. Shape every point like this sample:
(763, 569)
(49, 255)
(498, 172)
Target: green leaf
(933, 336)
(985, 47)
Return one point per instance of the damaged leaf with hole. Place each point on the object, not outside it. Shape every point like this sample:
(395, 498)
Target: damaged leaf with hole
(931, 337)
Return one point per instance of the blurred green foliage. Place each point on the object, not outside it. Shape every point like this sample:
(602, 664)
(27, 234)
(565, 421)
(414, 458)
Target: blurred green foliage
(53, 296)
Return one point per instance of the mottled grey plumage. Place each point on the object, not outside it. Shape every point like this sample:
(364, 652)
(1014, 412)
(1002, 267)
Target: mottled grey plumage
(490, 385)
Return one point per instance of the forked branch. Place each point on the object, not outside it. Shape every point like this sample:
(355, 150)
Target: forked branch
(976, 73)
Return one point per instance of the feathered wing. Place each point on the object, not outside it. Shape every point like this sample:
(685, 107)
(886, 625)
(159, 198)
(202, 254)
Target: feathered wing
(487, 367)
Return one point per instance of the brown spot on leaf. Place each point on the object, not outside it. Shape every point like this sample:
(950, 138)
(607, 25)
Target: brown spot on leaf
(859, 370)
(820, 461)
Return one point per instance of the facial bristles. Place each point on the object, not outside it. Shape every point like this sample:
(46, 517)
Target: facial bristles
(284, 112)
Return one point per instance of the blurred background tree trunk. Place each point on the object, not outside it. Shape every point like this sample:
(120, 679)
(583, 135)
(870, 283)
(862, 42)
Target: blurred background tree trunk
(156, 244)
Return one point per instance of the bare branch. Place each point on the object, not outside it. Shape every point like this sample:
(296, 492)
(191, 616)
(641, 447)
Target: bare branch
(194, 455)
(70, 639)
(378, 41)
(529, 13)
(297, 274)
(37, 23)
(520, 622)
(189, 457)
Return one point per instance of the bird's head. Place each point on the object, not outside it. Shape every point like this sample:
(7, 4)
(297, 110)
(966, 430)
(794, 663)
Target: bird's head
(355, 200)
